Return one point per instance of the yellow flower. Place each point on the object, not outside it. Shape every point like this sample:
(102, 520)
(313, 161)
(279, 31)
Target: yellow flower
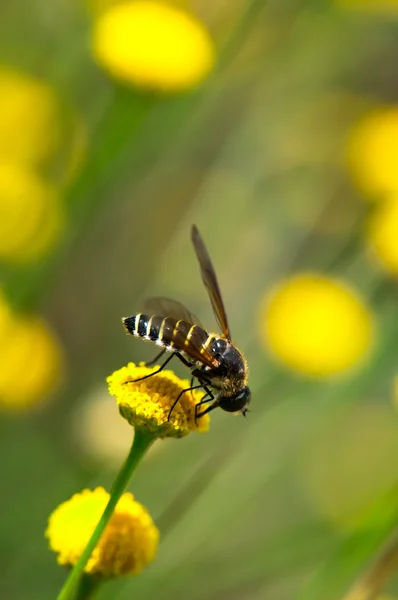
(316, 325)
(127, 545)
(146, 404)
(29, 120)
(153, 45)
(31, 214)
(382, 233)
(372, 151)
(29, 347)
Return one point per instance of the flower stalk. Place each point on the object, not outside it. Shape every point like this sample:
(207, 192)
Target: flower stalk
(141, 443)
(87, 587)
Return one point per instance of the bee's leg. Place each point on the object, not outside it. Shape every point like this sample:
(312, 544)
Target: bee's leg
(154, 373)
(207, 410)
(200, 376)
(204, 400)
(184, 361)
(195, 387)
(150, 363)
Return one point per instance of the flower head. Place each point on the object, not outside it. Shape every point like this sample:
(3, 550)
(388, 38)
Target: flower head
(316, 325)
(371, 152)
(128, 543)
(147, 403)
(153, 45)
(27, 343)
(23, 139)
(382, 233)
(32, 216)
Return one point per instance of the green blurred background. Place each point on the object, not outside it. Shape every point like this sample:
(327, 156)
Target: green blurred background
(286, 157)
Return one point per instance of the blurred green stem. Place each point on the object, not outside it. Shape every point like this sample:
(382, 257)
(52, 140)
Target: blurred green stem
(74, 583)
(239, 35)
(87, 587)
(374, 579)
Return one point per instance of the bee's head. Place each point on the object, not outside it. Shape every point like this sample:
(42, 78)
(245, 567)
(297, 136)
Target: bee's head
(239, 401)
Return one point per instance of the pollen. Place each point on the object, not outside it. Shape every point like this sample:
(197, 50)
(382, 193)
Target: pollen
(147, 403)
(127, 545)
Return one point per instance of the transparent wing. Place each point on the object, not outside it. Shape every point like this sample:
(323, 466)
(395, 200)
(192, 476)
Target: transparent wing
(211, 283)
(165, 307)
(182, 336)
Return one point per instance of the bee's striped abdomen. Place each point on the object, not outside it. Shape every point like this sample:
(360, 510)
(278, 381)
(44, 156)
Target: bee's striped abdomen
(169, 332)
(154, 330)
(136, 325)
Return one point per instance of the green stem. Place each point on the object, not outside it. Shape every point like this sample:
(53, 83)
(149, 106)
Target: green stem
(142, 442)
(87, 587)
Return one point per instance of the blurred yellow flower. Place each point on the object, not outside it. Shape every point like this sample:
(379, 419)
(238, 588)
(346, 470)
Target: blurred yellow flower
(29, 119)
(372, 151)
(99, 433)
(153, 45)
(382, 233)
(98, 430)
(128, 544)
(31, 360)
(348, 466)
(31, 214)
(316, 325)
(146, 404)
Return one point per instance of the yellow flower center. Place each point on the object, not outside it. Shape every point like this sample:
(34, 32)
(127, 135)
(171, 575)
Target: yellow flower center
(128, 543)
(147, 403)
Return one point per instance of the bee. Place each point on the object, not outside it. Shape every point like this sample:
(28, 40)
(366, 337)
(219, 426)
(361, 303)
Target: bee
(218, 366)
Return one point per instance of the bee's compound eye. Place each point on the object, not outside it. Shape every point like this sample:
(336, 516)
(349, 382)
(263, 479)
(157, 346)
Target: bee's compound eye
(245, 396)
(235, 403)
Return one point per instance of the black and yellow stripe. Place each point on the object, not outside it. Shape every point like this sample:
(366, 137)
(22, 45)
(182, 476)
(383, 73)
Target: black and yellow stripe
(169, 332)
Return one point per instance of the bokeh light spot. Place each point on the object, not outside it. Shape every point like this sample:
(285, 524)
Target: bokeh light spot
(372, 151)
(316, 325)
(382, 233)
(29, 118)
(31, 214)
(152, 45)
(31, 358)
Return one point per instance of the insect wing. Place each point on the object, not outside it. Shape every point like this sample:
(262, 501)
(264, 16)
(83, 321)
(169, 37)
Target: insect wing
(166, 307)
(210, 281)
(190, 339)
(181, 330)
(195, 349)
